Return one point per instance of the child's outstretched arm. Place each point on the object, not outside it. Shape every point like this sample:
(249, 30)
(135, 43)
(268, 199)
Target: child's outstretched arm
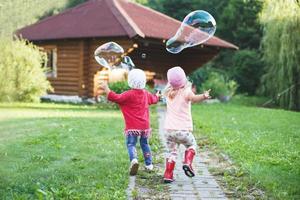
(198, 97)
(112, 96)
(153, 98)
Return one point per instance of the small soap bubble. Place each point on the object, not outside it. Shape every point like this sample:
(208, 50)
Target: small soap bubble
(144, 55)
(196, 28)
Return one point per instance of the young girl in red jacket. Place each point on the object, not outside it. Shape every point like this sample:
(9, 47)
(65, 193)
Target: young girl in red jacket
(134, 105)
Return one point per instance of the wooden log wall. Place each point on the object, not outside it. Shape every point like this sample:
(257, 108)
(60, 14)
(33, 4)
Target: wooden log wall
(86, 67)
(76, 66)
(69, 63)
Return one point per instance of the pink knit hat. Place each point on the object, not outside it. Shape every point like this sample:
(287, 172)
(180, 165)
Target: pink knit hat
(176, 77)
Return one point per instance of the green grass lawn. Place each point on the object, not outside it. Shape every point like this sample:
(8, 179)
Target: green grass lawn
(265, 143)
(78, 152)
(61, 151)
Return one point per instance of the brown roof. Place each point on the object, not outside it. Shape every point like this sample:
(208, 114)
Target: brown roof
(108, 18)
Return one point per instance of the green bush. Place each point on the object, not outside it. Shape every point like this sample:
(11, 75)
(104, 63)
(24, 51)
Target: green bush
(122, 86)
(220, 85)
(119, 87)
(22, 78)
(199, 76)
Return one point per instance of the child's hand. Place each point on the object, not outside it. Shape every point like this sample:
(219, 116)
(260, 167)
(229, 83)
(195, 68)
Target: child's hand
(104, 86)
(158, 94)
(199, 97)
(206, 94)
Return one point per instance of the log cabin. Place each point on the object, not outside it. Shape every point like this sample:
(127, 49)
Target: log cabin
(71, 37)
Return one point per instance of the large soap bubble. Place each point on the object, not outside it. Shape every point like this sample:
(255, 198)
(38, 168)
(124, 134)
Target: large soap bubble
(109, 54)
(196, 28)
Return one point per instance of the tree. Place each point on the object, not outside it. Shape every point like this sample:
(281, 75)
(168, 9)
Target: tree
(144, 2)
(178, 9)
(236, 19)
(72, 3)
(281, 21)
(247, 70)
(56, 10)
(15, 14)
(239, 23)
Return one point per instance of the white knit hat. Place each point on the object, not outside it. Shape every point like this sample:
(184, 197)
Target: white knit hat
(137, 79)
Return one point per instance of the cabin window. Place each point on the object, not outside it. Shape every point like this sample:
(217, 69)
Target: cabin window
(51, 63)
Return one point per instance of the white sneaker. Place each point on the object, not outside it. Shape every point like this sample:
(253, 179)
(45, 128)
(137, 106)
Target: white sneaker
(149, 167)
(134, 166)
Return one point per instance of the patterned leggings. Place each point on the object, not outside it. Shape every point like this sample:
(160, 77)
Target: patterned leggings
(175, 138)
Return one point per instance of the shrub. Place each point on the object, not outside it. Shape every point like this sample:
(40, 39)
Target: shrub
(119, 87)
(122, 86)
(199, 76)
(220, 85)
(22, 78)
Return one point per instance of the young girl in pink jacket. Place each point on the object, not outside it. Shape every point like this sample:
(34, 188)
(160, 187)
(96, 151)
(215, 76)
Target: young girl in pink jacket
(178, 123)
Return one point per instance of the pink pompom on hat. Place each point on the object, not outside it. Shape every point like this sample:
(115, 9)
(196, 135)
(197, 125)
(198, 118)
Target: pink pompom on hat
(176, 77)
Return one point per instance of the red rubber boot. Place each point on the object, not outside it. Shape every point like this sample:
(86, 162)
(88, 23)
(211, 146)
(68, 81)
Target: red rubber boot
(187, 164)
(168, 176)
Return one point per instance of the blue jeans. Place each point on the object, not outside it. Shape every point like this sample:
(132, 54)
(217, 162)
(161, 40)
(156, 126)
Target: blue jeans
(131, 141)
